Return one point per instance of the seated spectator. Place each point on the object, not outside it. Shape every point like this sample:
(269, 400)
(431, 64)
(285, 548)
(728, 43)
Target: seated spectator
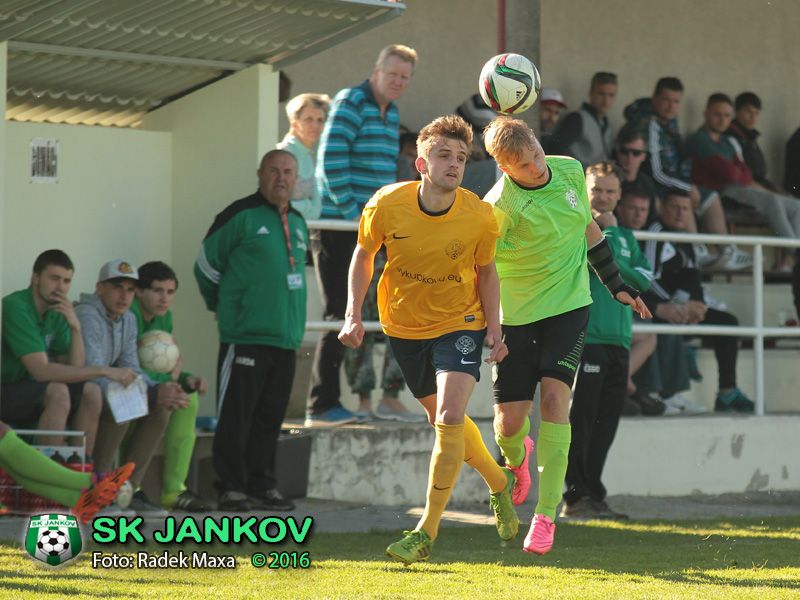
(480, 172)
(551, 103)
(155, 293)
(586, 133)
(630, 152)
(718, 164)
(670, 167)
(743, 130)
(791, 182)
(42, 476)
(406, 171)
(677, 296)
(601, 381)
(109, 335)
(659, 367)
(44, 381)
(307, 114)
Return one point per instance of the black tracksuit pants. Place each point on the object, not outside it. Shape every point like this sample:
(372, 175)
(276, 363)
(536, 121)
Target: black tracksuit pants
(255, 383)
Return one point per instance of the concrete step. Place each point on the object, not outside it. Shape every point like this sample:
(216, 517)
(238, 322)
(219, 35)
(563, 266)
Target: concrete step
(673, 456)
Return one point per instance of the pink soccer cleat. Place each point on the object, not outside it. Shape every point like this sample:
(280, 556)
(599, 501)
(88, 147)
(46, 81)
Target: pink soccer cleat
(540, 536)
(523, 475)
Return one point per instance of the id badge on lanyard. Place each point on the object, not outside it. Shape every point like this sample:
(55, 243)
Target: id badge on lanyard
(294, 280)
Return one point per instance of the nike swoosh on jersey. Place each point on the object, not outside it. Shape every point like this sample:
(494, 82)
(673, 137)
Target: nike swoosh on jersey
(468, 362)
(440, 489)
(400, 237)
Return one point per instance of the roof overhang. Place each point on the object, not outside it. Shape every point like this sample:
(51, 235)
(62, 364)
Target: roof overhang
(108, 62)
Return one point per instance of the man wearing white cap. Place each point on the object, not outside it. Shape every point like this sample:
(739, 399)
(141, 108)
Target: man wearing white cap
(109, 336)
(551, 103)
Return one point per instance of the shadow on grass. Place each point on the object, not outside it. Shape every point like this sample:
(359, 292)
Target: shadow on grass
(58, 580)
(690, 552)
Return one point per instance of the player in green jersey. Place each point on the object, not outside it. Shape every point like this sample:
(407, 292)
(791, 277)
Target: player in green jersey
(546, 236)
(155, 293)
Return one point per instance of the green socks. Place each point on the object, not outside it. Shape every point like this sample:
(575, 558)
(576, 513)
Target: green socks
(552, 449)
(513, 446)
(179, 441)
(39, 474)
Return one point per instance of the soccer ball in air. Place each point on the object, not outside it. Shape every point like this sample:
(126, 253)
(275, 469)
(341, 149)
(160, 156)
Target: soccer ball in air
(53, 543)
(158, 352)
(509, 83)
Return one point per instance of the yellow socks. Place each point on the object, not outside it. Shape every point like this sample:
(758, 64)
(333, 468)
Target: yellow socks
(446, 460)
(477, 456)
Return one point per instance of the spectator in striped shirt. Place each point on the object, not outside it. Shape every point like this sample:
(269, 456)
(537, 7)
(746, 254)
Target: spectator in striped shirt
(357, 155)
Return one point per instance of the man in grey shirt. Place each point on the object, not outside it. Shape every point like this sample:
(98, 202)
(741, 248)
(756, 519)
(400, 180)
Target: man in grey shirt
(109, 336)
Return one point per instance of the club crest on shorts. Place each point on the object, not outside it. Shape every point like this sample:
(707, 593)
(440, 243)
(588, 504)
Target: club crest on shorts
(572, 198)
(53, 539)
(454, 249)
(465, 344)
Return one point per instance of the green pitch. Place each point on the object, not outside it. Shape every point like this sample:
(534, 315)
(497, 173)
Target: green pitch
(751, 558)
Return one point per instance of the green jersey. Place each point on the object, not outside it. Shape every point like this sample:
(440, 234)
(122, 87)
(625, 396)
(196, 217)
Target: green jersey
(609, 321)
(541, 252)
(158, 323)
(24, 332)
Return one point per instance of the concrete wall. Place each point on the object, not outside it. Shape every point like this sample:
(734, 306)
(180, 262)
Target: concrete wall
(717, 45)
(112, 200)
(650, 456)
(729, 46)
(453, 40)
(219, 134)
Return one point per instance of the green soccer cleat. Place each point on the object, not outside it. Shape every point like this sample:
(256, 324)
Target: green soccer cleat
(505, 515)
(415, 546)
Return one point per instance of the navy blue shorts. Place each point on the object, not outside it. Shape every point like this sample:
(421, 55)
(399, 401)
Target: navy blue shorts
(422, 360)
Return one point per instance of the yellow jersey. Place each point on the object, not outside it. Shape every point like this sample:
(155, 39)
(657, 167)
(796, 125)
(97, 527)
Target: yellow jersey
(429, 284)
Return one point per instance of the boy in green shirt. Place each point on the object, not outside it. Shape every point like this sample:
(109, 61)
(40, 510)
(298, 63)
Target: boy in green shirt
(155, 292)
(602, 379)
(546, 235)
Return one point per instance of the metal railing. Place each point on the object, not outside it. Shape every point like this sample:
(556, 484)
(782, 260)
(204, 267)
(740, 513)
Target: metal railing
(757, 331)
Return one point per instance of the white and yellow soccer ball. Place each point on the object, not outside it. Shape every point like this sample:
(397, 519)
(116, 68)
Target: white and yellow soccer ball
(509, 83)
(158, 352)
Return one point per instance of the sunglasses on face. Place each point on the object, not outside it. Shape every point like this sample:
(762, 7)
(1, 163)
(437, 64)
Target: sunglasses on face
(631, 152)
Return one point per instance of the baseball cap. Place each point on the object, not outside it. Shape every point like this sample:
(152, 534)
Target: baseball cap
(552, 96)
(475, 112)
(117, 269)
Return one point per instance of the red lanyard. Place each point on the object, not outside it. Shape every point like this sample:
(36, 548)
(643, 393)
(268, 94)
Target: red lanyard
(287, 235)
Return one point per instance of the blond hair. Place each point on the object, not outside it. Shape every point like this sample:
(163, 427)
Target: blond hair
(402, 52)
(506, 139)
(296, 105)
(451, 126)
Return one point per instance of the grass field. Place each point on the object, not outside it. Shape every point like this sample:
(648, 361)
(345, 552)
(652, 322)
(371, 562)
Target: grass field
(745, 558)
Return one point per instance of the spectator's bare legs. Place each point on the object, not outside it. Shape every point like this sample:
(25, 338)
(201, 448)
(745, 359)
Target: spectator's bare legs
(55, 413)
(642, 346)
(87, 417)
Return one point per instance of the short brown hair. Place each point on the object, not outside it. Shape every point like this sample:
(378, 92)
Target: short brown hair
(451, 126)
(296, 105)
(506, 138)
(402, 52)
(604, 169)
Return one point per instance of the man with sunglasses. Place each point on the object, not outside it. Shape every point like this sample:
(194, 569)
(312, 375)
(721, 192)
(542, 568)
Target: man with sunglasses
(630, 153)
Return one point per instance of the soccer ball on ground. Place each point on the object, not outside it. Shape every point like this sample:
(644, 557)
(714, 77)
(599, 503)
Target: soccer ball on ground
(158, 352)
(53, 542)
(509, 83)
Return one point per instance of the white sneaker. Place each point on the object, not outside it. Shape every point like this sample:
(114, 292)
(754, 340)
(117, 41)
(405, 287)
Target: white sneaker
(684, 405)
(671, 411)
(734, 259)
(703, 255)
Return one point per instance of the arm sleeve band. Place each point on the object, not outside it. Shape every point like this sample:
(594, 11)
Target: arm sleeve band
(602, 261)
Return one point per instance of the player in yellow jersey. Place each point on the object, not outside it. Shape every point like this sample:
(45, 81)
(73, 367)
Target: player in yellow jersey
(546, 236)
(438, 298)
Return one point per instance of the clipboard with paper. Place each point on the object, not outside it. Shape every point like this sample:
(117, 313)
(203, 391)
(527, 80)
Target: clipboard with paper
(127, 403)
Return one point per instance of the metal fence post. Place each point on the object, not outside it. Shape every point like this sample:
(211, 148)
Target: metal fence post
(758, 321)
